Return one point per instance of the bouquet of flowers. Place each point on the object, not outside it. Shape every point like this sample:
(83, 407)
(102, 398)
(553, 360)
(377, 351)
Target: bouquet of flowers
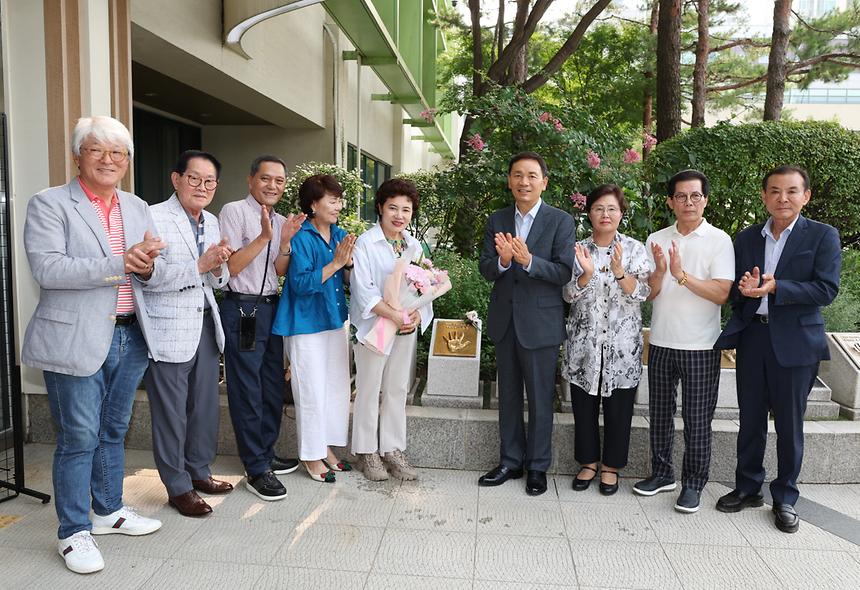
(411, 285)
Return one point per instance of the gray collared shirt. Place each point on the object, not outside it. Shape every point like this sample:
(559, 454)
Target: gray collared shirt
(772, 252)
(240, 224)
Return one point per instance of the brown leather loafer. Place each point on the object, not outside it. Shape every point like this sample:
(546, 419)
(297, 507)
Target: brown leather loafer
(190, 504)
(212, 486)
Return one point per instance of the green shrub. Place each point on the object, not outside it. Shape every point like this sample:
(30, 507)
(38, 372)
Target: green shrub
(433, 217)
(508, 121)
(348, 179)
(736, 157)
(470, 291)
(843, 315)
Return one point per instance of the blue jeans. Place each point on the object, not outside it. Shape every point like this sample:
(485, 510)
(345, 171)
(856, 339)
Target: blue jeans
(91, 415)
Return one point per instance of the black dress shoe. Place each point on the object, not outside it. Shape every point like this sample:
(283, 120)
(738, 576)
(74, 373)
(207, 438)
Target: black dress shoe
(736, 500)
(535, 483)
(499, 475)
(786, 518)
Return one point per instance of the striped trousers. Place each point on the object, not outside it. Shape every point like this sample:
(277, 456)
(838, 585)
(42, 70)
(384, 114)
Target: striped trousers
(698, 371)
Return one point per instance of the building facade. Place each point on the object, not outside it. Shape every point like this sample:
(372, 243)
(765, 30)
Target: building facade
(340, 81)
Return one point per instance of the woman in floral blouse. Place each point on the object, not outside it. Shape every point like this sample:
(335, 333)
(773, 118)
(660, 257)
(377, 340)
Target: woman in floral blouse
(603, 353)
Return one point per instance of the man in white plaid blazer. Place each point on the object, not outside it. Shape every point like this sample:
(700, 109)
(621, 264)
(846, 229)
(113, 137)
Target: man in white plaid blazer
(182, 381)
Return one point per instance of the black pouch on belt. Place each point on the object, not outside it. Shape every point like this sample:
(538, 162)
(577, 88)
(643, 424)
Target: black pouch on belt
(247, 332)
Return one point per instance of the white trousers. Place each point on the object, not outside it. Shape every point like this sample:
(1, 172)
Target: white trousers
(320, 383)
(381, 425)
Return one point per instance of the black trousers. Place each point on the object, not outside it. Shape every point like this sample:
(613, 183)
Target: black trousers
(535, 369)
(617, 415)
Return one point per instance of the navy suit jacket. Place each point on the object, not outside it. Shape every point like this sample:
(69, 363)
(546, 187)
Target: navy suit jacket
(531, 300)
(807, 279)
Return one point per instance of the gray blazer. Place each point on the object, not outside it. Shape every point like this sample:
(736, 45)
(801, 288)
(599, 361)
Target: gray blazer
(531, 300)
(175, 293)
(70, 258)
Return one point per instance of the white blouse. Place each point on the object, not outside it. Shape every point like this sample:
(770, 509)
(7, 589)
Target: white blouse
(373, 260)
(605, 323)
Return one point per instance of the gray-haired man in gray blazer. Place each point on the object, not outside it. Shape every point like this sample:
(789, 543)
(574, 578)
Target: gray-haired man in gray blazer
(88, 244)
(528, 255)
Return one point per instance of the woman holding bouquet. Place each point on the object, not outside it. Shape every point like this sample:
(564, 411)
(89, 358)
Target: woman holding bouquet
(380, 428)
(311, 315)
(603, 353)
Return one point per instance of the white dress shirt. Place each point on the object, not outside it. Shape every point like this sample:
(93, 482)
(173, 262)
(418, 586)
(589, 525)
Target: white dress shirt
(772, 251)
(373, 260)
(522, 227)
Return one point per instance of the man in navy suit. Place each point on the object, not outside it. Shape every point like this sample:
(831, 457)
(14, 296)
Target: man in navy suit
(528, 255)
(788, 269)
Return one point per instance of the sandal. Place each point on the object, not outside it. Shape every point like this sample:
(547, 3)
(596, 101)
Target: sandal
(581, 485)
(338, 466)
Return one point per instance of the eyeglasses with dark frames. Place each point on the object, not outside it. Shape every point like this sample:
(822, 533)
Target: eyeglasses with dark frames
(692, 197)
(194, 181)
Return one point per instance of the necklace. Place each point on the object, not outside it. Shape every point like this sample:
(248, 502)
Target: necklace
(398, 246)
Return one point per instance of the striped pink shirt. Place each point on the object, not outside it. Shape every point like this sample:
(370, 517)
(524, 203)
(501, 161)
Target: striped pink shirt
(111, 218)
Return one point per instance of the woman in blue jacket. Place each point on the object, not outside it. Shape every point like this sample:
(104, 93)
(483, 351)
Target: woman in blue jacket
(311, 316)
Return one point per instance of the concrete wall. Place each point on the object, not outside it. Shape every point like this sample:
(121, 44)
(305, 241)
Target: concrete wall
(183, 41)
(24, 93)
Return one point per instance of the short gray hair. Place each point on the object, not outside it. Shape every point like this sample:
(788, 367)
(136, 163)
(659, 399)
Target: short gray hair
(102, 129)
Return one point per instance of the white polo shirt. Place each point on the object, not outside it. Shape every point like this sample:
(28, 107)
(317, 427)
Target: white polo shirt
(681, 319)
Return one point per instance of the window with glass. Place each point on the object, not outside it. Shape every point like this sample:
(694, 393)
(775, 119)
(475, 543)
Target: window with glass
(373, 172)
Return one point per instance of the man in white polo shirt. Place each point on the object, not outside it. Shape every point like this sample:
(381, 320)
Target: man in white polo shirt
(694, 269)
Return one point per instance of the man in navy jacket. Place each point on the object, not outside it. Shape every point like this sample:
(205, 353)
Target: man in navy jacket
(787, 269)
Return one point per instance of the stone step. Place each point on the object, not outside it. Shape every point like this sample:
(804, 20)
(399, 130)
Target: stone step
(468, 439)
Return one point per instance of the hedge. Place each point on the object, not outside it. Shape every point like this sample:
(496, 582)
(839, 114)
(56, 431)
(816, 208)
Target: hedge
(736, 157)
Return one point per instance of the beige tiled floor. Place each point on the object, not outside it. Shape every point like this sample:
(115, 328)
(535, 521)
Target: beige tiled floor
(439, 532)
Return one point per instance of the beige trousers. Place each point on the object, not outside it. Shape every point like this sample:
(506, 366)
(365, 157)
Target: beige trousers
(379, 422)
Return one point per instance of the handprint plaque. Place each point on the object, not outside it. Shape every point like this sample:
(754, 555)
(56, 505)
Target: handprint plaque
(455, 338)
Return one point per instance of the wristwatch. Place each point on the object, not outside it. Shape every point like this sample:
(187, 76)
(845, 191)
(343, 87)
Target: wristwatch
(288, 252)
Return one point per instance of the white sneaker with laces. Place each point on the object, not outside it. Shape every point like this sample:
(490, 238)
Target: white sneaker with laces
(126, 522)
(81, 553)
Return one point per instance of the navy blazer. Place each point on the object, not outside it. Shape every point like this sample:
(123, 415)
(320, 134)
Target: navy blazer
(807, 279)
(531, 300)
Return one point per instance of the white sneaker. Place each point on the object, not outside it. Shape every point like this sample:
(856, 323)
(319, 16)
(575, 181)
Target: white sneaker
(81, 553)
(126, 522)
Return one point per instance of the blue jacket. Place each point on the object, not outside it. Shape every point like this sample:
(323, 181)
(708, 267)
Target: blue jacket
(308, 305)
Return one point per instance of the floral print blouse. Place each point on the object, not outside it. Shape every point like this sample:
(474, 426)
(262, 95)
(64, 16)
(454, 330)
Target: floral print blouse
(606, 323)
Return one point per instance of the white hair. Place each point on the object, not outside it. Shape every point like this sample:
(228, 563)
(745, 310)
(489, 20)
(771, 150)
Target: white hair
(102, 129)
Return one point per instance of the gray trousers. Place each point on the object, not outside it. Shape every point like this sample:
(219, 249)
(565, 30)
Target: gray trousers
(535, 369)
(183, 401)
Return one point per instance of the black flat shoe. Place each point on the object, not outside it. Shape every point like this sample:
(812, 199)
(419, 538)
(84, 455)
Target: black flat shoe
(499, 475)
(580, 485)
(536, 483)
(607, 489)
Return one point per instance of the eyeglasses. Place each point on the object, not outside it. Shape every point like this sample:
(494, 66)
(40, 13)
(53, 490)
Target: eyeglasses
(194, 181)
(99, 153)
(692, 197)
(607, 210)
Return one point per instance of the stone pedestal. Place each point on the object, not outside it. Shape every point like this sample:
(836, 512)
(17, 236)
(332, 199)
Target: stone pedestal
(842, 372)
(452, 381)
